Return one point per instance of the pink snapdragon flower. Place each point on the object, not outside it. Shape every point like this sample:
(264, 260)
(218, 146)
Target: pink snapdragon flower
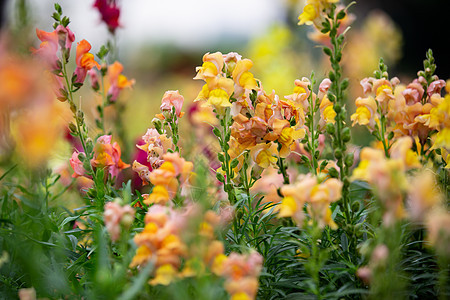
(172, 99)
(435, 87)
(413, 92)
(77, 165)
(65, 37)
(116, 215)
(48, 48)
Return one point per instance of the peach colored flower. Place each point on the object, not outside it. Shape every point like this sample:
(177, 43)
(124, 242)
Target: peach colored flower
(438, 226)
(387, 176)
(286, 135)
(413, 93)
(401, 150)
(115, 215)
(423, 195)
(301, 93)
(160, 240)
(366, 112)
(242, 76)
(263, 154)
(307, 190)
(143, 172)
(212, 66)
(268, 185)
(241, 274)
(156, 145)
(327, 113)
(230, 60)
(27, 294)
(435, 87)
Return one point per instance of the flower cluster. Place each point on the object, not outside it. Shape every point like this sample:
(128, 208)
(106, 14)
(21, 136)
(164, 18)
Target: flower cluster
(392, 110)
(307, 189)
(55, 50)
(263, 124)
(241, 272)
(173, 174)
(160, 243)
(387, 175)
(180, 246)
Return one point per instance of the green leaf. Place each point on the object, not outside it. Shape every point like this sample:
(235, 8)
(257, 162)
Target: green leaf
(340, 15)
(220, 177)
(58, 8)
(56, 16)
(216, 132)
(138, 283)
(234, 163)
(327, 51)
(65, 21)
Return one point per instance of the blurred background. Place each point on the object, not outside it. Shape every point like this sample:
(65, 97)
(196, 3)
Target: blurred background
(161, 42)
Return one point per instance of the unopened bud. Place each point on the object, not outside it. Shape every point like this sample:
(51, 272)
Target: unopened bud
(330, 128)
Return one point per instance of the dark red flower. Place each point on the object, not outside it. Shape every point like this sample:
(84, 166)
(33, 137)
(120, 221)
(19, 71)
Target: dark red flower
(110, 13)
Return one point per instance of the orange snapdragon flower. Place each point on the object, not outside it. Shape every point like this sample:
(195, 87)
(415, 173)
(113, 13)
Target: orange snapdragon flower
(160, 242)
(84, 60)
(117, 81)
(107, 155)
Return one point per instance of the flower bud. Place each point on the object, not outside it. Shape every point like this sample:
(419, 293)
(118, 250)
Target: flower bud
(330, 128)
(346, 136)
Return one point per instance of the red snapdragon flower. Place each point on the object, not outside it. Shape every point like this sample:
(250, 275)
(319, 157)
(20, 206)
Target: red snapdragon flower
(110, 13)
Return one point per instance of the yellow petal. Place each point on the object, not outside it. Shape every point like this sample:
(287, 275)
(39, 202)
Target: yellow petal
(288, 207)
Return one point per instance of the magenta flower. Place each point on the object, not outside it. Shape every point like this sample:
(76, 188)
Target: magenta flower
(110, 13)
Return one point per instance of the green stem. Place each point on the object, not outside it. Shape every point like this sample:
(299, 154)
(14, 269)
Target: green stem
(228, 186)
(312, 143)
(173, 124)
(283, 170)
(104, 101)
(383, 132)
(75, 111)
